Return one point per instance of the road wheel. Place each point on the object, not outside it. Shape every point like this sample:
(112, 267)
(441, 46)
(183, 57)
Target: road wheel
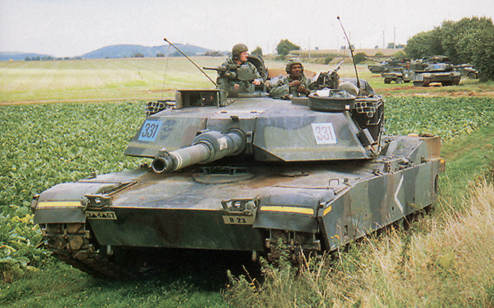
(418, 83)
(387, 80)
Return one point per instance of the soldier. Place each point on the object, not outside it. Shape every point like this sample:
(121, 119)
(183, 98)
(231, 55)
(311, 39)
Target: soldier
(295, 84)
(237, 74)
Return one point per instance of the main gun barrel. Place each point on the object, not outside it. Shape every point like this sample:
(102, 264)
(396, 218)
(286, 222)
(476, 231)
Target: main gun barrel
(206, 147)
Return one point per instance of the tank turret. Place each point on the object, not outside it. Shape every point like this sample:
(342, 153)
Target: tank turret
(303, 129)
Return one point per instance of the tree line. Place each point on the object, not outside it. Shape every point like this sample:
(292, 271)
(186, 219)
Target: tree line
(469, 40)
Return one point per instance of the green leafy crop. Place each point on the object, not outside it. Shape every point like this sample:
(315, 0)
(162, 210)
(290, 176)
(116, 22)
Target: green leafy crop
(442, 116)
(43, 145)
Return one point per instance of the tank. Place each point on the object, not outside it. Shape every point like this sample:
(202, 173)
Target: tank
(378, 68)
(442, 73)
(242, 174)
(397, 75)
(391, 65)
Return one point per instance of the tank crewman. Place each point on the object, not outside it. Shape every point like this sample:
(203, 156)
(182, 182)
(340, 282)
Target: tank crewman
(295, 84)
(237, 74)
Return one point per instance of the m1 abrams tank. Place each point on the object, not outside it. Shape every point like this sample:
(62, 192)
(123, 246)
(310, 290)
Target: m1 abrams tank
(401, 75)
(378, 68)
(392, 65)
(442, 73)
(244, 174)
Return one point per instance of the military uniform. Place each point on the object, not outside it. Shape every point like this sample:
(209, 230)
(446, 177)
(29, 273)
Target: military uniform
(232, 73)
(282, 88)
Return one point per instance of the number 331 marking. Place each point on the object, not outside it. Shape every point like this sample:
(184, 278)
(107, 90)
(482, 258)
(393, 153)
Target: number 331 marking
(149, 130)
(324, 133)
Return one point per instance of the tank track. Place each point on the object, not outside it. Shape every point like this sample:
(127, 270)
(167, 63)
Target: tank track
(284, 245)
(73, 244)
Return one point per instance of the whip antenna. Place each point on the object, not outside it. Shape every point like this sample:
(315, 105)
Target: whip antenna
(351, 52)
(183, 54)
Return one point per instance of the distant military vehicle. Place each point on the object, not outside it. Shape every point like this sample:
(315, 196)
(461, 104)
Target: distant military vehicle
(467, 70)
(418, 65)
(378, 68)
(244, 174)
(392, 65)
(437, 73)
(437, 59)
(398, 76)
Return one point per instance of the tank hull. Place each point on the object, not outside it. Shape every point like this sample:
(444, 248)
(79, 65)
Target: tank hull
(320, 205)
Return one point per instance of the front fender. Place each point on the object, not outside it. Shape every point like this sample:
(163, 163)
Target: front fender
(291, 209)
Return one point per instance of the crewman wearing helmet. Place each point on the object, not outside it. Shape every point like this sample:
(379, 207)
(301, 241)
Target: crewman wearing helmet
(237, 74)
(295, 84)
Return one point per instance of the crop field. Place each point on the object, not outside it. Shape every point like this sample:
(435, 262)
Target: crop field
(98, 80)
(157, 78)
(44, 144)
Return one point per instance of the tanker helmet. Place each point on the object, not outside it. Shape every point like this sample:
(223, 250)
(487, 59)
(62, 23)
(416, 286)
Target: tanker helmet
(291, 62)
(238, 49)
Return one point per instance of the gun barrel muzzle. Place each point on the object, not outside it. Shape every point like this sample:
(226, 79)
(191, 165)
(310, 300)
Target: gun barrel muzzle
(206, 147)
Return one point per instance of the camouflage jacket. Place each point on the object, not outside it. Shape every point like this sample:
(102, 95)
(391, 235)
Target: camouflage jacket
(231, 73)
(281, 87)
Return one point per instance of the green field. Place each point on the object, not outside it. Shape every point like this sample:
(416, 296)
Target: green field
(106, 79)
(45, 144)
(153, 78)
(98, 80)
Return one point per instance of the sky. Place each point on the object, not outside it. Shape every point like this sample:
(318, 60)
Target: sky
(73, 27)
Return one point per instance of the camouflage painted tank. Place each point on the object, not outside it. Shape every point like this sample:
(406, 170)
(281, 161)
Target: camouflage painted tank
(242, 174)
(401, 75)
(378, 68)
(442, 73)
(391, 65)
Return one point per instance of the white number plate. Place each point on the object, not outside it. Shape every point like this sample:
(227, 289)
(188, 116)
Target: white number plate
(324, 133)
(238, 220)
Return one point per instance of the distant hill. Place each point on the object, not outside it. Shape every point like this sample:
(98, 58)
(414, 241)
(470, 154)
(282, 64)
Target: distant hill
(118, 51)
(126, 51)
(6, 56)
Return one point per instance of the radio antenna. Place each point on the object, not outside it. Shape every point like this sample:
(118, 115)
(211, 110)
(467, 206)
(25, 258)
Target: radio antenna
(351, 52)
(192, 61)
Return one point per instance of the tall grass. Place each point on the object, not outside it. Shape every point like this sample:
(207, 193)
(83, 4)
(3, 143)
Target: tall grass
(446, 262)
